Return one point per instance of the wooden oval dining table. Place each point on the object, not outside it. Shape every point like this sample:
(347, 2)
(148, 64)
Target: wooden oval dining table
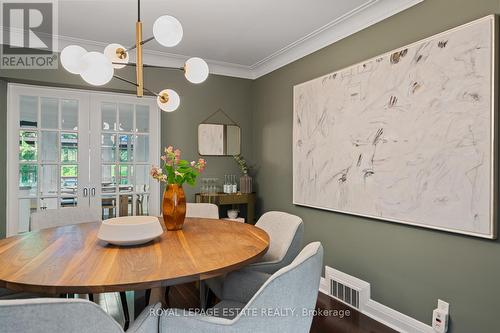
(71, 259)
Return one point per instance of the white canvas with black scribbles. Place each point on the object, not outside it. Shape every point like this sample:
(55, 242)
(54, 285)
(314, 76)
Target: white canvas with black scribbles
(407, 136)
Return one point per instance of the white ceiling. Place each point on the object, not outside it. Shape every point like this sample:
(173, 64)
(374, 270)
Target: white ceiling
(237, 38)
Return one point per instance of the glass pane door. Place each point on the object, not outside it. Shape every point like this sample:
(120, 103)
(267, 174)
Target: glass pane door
(52, 141)
(126, 147)
(70, 148)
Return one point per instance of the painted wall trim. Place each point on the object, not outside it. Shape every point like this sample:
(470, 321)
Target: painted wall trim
(394, 319)
(389, 317)
(371, 12)
(361, 17)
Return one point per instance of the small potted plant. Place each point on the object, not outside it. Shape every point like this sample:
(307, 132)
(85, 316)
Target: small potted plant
(175, 172)
(245, 179)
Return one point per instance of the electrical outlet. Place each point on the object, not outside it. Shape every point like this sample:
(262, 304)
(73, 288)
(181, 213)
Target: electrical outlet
(440, 317)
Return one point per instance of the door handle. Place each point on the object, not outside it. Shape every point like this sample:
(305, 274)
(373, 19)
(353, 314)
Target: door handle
(92, 192)
(85, 192)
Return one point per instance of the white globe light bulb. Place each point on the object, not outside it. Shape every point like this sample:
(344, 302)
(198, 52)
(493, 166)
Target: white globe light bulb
(167, 30)
(117, 55)
(71, 58)
(96, 69)
(168, 100)
(196, 70)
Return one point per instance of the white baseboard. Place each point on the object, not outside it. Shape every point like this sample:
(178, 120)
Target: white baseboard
(394, 319)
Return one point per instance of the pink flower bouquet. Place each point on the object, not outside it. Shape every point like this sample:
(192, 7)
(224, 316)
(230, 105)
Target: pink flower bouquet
(177, 171)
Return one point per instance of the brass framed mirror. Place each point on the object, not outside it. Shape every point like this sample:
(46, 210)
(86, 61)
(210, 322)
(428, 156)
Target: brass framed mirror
(218, 138)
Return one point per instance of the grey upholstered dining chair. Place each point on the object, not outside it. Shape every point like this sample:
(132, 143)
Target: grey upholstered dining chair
(285, 233)
(64, 216)
(67, 315)
(202, 210)
(292, 287)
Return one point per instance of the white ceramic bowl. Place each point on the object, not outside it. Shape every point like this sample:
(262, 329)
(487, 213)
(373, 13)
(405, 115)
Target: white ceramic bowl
(130, 230)
(232, 213)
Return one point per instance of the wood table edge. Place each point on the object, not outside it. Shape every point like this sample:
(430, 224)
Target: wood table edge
(55, 290)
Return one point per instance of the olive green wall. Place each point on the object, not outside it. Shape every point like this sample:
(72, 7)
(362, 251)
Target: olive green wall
(179, 128)
(409, 268)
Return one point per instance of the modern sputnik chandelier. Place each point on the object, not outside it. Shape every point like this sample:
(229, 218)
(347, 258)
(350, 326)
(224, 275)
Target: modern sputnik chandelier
(98, 68)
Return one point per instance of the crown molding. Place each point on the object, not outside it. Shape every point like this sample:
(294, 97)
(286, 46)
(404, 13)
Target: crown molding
(361, 17)
(367, 14)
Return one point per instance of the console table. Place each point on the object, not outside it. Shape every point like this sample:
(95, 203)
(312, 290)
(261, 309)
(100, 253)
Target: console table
(222, 199)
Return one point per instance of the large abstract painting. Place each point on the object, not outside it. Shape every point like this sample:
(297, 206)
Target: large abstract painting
(408, 136)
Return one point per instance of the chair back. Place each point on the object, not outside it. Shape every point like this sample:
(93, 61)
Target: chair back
(55, 315)
(202, 210)
(292, 287)
(64, 216)
(285, 233)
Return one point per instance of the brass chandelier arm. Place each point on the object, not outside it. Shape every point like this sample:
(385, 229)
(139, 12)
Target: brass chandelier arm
(135, 84)
(125, 80)
(142, 43)
(148, 66)
(139, 67)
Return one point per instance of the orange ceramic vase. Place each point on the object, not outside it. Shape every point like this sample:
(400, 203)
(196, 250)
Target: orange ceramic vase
(174, 207)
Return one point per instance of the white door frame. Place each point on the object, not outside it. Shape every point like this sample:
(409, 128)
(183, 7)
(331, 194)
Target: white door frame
(85, 97)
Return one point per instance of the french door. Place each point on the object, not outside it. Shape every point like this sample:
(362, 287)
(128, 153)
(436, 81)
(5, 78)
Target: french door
(124, 150)
(70, 148)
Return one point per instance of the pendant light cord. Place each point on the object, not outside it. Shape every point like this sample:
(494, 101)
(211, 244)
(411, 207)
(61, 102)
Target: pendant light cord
(138, 10)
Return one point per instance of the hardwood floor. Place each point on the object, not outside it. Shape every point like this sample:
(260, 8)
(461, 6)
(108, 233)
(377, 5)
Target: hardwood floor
(356, 322)
(186, 296)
